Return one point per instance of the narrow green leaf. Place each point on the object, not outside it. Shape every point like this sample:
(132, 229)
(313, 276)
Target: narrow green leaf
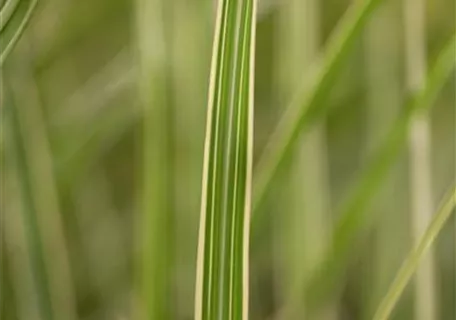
(301, 228)
(33, 232)
(412, 262)
(384, 100)
(153, 226)
(41, 209)
(7, 11)
(191, 52)
(420, 156)
(14, 17)
(222, 264)
(353, 217)
(308, 106)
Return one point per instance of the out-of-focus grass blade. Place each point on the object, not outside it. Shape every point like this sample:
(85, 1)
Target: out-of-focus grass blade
(153, 225)
(6, 11)
(14, 16)
(20, 264)
(412, 262)
(34, 241)
(301, 228)
(95, 117)
(222, 266)
(72, 23)
(8, 251)
(353, 217)
(307, 106)
(420, 154)
(383, 104)
(191, 52)
(40, 201)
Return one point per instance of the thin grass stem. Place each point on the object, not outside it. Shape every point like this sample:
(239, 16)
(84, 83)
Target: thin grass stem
(412, 262)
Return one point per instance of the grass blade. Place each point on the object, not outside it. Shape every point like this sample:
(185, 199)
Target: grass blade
(191, 54)
(33, 233)
(411, 264)
(353, 216)
(42, 209)
(301, 230)
(420, 149)
(222, 263)
(383, 105)
(154, 223)
(306, 108)
(7, 11)
(15, 17)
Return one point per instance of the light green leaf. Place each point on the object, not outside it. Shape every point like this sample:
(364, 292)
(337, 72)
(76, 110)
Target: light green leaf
(222, 266)
(412, 262)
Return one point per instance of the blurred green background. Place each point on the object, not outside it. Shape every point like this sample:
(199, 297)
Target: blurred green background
(72, 170)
